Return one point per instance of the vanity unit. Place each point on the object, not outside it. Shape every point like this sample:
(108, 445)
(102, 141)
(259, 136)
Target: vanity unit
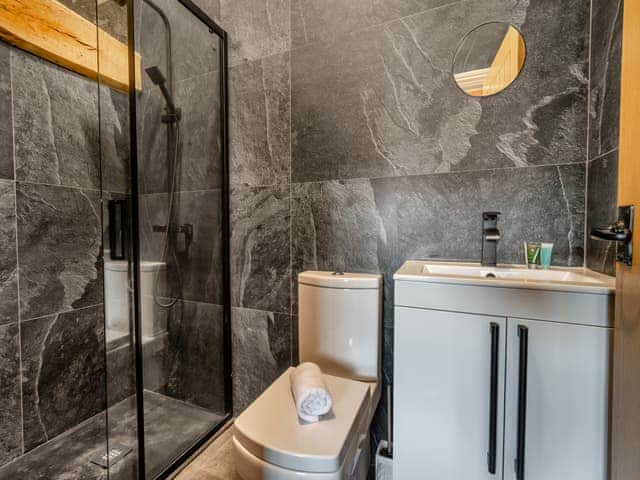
(501, 372)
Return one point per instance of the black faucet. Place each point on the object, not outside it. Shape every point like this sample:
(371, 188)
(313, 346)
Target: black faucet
(490, 237)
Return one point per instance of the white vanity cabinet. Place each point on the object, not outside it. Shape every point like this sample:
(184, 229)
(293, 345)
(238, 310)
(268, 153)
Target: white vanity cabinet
(567, 397)
(442, 385)
(482, 391)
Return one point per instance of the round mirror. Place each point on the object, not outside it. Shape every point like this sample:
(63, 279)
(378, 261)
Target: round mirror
(489, 58)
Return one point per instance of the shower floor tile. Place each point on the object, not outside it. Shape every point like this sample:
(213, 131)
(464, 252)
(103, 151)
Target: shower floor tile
(171, 427)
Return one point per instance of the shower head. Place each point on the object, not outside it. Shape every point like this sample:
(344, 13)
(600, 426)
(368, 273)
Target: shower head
(156, 75)
(158, 79)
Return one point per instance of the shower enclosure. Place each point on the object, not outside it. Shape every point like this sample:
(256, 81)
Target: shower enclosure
(115, 358)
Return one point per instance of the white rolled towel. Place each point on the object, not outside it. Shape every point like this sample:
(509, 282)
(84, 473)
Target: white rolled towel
(310, 392)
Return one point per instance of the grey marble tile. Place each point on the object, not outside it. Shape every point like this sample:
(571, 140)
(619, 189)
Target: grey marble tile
(55, 124)
(154, 137)
(261, 352)
(63, 372)
(6, 126)
(260, 125)
(375, 225)
(59, 245)
(201, 133)
(153, 211)
(115, 146)
(120, 371)
(195, 55)
(372, 103)
(602, 210)
(256, 28)
(313, 21)
(260, 245)
(336, 226)
(195, 357)
(195, 50)
(199, 161)
(8, 259)
(10, 413)
(195, 270)
(84, 8)
(200, 265)
(440, 216)
(606, 53)
(112, 18)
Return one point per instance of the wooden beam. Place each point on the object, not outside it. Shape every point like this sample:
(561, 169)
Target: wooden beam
(56, 33)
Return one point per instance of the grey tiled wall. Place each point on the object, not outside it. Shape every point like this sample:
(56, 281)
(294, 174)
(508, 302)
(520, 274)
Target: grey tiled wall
(51, 319)
(606, 47)
(260, 128)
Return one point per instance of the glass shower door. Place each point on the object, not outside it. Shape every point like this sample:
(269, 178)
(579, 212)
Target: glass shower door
(182, 288)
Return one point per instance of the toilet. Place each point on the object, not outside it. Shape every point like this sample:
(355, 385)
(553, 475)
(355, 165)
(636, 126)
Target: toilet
(340, 330)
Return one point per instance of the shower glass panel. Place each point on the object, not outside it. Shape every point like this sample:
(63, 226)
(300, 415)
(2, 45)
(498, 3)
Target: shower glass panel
(114, 305)
(181, 231)
(121, 461)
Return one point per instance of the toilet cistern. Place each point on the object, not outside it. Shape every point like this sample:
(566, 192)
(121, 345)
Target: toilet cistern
(490, 238)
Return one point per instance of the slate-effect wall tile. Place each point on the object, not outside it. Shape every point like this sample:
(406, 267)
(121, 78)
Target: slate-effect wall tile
(606, 56)
(6, 126)
(114, 141)
(195, 357)
(195, 48)
(256, 28)
(260, 124)
(382, 102)
(602, 209)
(260, 244)
(336, 226)
(63, 372)
(8, 259)
(262, 351)
(59, 245)
(201, 158)
(10, 413)
(55, 124)
(440, 216)
(313, 21)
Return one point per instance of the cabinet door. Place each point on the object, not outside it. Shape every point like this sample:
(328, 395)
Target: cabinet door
(560, 399)
(445, 419)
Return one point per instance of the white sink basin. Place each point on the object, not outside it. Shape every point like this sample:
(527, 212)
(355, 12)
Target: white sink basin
(508, 273)
(515, 276)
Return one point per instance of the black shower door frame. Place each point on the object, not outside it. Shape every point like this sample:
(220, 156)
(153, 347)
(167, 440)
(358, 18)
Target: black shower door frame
(135, 243)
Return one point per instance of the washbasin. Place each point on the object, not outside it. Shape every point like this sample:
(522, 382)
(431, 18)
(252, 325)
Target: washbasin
(516, 276)
(508, 273)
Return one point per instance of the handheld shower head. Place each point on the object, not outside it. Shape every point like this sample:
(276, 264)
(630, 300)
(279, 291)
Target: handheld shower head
(158, 79)
(156, 75)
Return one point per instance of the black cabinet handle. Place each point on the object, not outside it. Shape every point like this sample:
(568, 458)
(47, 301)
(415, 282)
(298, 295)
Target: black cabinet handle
(523, 333)
(493, 398)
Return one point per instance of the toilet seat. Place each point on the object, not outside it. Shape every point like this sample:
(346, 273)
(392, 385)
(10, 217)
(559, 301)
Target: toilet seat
(268, 435)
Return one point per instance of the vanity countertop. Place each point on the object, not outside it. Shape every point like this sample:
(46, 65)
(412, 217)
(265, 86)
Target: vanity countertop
(560, 279)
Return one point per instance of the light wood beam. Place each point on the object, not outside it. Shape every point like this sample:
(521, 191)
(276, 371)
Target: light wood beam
(56, 33)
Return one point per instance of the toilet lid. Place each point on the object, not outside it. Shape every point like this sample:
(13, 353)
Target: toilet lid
(270, 429)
